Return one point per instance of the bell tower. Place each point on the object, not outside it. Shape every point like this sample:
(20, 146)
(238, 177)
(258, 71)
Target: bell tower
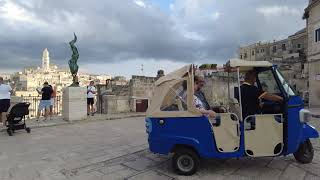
(45, 60)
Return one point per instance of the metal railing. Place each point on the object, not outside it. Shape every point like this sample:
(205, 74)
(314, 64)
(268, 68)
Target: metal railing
(34, 104)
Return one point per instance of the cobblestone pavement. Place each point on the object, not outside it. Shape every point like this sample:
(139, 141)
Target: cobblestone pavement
(107, 150)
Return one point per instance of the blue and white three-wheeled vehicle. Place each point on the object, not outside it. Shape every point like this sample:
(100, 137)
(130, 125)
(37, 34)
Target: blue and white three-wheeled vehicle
(175, 126)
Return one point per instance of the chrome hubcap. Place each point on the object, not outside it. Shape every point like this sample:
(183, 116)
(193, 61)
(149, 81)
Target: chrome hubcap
(185, 163)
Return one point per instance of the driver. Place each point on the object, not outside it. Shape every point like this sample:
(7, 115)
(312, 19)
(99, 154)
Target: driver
(251, 95)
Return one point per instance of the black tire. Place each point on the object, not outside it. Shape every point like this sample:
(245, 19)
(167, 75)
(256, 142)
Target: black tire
(28, 130)
(185, 161)
(304, 154)
(9, 131)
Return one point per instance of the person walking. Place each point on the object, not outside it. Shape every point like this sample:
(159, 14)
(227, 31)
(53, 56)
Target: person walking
(45, 101)
(53, 100)
(91, 91)
(5, 93)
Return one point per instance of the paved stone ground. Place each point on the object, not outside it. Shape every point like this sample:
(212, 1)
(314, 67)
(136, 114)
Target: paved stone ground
(107, 150)
(58, 120)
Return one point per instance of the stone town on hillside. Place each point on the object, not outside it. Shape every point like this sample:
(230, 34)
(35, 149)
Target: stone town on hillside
(298, 55)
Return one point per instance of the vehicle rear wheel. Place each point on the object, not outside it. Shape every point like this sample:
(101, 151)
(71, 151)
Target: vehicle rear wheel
(305, 152)
(185, 161)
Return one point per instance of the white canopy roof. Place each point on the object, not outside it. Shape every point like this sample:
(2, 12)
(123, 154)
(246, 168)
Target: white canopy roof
(164, 85)
(247, 65)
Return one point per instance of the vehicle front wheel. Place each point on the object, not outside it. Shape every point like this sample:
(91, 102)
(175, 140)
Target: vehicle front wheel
(305, 152)
(185, 161)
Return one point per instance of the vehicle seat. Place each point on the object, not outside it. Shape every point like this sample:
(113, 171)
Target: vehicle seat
(179, 103)
(227, 134)
(234, 106)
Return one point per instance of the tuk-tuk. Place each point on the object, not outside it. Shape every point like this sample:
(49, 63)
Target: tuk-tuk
(175, 126)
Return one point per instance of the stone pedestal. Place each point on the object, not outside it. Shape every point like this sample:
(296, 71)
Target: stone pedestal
(74, 103)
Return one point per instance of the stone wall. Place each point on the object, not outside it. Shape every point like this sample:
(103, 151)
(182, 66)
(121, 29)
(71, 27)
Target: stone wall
(112, 104)
(216, 88)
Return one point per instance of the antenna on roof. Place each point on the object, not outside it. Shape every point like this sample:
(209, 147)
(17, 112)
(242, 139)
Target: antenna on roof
(142, 69)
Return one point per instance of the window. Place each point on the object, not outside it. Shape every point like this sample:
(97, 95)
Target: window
(274, 49)
(240, 56)
(262, 50)
(268, 83)
(285, 84)
(317, 35)
(299, 46)
(176, 99)
(284, 47)
(252, 53)
(245, 55)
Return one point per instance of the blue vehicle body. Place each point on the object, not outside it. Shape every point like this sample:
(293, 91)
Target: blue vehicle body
(297, 132)
(196, 133)
(193, 132)
(165, 134)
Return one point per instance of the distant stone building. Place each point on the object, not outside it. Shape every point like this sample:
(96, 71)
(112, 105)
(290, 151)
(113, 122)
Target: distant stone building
(292, 49)
(141, 91)
(6, 77)
(312, 16)
(134, 96)
(30, 78)
(289, 54)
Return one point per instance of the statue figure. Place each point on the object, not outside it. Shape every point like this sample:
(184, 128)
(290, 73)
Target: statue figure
(73, 62)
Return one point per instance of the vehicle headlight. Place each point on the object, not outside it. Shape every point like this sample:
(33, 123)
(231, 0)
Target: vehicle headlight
(148, 125)
(305, 115)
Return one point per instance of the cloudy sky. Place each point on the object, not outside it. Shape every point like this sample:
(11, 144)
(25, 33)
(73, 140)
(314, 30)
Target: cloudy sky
(118, 36)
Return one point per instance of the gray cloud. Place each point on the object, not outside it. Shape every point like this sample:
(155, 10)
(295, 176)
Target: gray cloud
(113, 31)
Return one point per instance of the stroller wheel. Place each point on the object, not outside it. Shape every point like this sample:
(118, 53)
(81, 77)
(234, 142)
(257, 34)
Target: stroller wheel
(28, 130)
(10, 132)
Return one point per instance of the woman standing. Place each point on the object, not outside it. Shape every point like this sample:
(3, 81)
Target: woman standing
(5, 92)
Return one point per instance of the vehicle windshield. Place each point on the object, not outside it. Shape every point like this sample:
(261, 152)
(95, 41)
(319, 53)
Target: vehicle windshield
(285, 84)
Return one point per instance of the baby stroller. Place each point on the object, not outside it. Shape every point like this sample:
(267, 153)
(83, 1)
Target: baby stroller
(16, 118)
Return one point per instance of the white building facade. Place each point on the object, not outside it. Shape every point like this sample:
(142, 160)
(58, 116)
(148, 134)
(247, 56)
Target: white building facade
(312, 16)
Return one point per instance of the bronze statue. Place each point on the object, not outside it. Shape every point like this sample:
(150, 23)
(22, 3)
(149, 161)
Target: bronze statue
(73, 62)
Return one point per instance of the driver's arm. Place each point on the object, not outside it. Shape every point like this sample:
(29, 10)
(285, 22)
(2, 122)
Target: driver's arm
(271, 97)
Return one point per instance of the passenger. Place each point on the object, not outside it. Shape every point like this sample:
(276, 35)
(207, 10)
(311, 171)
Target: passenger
(197, 101)
(251, 95)
(199, 93)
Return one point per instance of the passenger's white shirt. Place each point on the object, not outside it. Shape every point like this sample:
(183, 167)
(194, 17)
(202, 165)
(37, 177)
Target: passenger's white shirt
(5, 91)
(90, 94)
